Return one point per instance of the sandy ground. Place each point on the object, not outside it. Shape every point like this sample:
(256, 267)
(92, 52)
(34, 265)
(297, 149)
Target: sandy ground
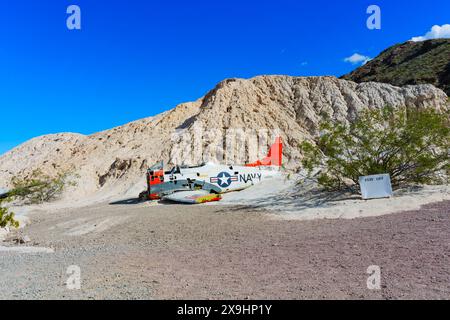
(301, 199)
(141, 251)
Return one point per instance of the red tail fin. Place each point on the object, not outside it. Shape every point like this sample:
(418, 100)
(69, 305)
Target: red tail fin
(274, 158)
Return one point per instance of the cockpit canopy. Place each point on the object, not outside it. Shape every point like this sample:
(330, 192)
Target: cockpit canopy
(157, 167)
(175, 170)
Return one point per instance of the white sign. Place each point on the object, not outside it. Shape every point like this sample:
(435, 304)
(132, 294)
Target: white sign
(376, 186)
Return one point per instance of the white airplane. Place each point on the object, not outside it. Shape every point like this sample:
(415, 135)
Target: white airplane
(206, 182)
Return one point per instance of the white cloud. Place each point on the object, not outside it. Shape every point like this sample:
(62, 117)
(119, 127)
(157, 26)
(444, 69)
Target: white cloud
(357, 58)
(436, 32)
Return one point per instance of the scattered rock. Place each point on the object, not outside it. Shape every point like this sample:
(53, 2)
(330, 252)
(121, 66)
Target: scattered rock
(21, 239)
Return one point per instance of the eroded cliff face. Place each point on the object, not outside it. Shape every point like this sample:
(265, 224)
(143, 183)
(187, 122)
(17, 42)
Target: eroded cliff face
(224, 126)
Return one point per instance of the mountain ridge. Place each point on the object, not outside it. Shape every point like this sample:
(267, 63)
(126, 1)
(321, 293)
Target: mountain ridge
(409, 63)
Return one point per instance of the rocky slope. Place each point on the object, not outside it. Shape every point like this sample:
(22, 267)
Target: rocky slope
(113, 161)
(409, 63)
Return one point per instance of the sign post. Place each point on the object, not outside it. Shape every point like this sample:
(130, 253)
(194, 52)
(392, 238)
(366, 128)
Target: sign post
(375, 186)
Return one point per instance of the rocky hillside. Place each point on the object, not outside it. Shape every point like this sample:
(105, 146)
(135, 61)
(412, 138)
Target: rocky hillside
(409, 63)
(113, 161)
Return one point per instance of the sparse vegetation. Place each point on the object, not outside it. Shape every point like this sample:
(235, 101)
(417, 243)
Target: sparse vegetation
(40, 187)
(7, 217)
(411, 145)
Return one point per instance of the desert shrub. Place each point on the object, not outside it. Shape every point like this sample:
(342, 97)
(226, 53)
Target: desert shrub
(7, 217)
(40, 188)
(411, 145)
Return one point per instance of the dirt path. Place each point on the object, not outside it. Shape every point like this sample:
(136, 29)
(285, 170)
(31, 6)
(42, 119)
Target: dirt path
(139, 251)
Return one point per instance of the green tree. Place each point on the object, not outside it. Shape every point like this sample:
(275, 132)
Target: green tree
(411, 145)
(40, 187)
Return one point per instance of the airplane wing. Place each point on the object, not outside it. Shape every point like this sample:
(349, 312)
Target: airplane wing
(192, 196)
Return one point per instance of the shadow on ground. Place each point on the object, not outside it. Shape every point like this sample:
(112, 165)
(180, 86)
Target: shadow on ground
(133, 201)
(126, 201)
(307, 196)
(296, 200)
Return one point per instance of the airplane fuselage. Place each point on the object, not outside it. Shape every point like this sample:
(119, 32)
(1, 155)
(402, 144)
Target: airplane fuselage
(227, 178)
(181, 184)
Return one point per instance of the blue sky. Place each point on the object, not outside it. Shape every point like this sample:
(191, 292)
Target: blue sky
(136, 58)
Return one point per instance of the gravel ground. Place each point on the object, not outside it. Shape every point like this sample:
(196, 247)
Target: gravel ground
(140, 251)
